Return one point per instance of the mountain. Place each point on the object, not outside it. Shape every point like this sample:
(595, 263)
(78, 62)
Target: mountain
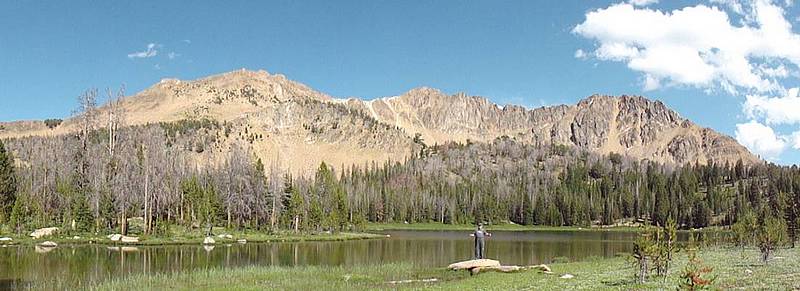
(294, 126)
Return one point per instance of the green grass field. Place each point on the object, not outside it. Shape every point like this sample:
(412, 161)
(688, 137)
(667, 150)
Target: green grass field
(732, 268)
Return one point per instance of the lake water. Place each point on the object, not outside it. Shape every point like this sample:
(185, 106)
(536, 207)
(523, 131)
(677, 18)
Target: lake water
(85, 265)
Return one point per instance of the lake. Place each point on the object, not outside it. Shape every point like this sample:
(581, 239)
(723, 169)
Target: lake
(85, 265)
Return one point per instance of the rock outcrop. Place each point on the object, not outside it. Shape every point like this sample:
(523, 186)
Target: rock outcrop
(628, 125)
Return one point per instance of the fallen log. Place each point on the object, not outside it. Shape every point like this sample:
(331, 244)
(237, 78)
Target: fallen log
(511, 269)
(542, 267)
(486, 265)
(467, 265)
(501, 269)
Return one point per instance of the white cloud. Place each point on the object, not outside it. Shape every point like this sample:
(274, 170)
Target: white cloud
(651, 83)
(642, 2)
(151, 51)
(796, 140)
(173, 55)
(697, 46)
(580, 54)
(760, 139)
(774, 110)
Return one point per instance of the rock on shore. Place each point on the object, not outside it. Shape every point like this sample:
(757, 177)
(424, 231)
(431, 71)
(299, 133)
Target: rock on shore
(42, 232)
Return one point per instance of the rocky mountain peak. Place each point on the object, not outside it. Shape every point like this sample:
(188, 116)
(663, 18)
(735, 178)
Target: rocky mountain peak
(296, 120)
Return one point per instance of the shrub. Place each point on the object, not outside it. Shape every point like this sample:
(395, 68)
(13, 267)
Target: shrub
(695, 275)
(771, 234)
(52, 123)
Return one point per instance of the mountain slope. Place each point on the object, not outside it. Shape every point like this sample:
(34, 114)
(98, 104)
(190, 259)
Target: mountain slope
(290, 124)
(629, 125)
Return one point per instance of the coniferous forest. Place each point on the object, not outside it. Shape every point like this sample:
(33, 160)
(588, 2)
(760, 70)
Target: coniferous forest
(97, 180)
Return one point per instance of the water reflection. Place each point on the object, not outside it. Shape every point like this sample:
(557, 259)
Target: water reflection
(87, 264)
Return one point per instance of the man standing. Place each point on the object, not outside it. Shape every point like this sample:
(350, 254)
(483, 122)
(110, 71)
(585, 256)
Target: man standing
(479, 235)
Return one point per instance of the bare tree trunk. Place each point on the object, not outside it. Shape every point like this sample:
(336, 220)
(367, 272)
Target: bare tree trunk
(146, 202)
(274, 209)
(124, 223)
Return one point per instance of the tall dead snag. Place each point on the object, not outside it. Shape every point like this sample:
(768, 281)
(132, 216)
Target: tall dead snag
(116, 120)
(86, 115)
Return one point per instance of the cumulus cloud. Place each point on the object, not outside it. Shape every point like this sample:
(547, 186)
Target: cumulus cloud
(150, 52)
(643, 2)
(774, 110)
(697, 46)
(760, 139)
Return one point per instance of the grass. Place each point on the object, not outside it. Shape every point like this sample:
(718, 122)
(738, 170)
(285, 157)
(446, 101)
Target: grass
(178, 235)
(733, 269)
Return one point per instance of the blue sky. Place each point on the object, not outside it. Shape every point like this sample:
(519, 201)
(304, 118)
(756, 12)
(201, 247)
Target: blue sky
(521, 52)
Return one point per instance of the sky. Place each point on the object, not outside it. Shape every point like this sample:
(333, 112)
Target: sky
(731, 65)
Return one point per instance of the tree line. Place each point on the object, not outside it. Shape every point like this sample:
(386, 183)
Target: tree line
(107, 172)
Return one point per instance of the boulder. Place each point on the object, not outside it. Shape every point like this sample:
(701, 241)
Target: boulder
(567, 276)
(6, 239)
(42, 232)
(49, 244)
(115, 237)
(129, 239)
(242, 241)
(226, 236)
(209, 241)
(480, 263)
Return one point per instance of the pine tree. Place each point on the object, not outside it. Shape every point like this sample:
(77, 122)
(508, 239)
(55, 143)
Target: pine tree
(20, 214)
(81, 213)
(8, 182)
(107, 210)
(771, 233)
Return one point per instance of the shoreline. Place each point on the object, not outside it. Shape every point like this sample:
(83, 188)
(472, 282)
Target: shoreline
(435, 226)
(193, 240)
(370, 231)
(732, 268)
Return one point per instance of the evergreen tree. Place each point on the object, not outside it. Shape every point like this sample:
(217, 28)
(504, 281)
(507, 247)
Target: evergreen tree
(8, 182)
(20, 214)
(81, 214)
(107, 210)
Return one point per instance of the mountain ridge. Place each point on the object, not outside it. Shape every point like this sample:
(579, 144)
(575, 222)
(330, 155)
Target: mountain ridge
(301, 127)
